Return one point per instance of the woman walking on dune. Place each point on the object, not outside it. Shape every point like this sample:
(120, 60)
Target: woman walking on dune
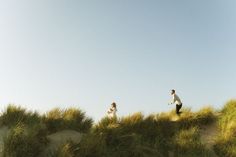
(112, 111)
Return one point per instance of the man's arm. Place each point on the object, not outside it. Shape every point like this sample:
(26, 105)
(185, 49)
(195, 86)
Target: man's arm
(173, 100)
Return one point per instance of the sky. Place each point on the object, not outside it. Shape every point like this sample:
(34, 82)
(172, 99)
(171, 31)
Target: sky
(87, 54)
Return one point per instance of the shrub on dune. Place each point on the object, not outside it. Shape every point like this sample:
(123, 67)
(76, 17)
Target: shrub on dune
(127, 124)
(24, 141)
(190, 119)
(205, 115)
(230, 106)
(226, 142)
(225, 147)
(72, 118)
(133, 135)
(76, 119)
(105, 123)
(129, 145)
(92, 145)
(132, 123)
(187, 143)
(53, 120)
(16, 114)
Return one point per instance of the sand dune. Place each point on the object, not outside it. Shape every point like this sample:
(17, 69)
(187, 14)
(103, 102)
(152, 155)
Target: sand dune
(208, 134)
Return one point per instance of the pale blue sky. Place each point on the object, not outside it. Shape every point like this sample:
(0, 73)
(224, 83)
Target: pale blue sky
(90, 53)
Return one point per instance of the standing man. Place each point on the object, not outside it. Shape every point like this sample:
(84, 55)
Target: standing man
(176, 100)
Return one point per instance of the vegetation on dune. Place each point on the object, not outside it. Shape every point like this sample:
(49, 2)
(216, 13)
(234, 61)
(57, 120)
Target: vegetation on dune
(16, 114)
(226, 142)
(136, 135)
(28, 130)
(202, 117)
(24, 141)
(72, 118)
(187, 143)
(154, 135)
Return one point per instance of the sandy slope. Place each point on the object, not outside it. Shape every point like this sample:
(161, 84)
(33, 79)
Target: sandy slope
(208, 135)
(61, 137)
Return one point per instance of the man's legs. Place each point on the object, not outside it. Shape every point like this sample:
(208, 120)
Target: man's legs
(178, 107)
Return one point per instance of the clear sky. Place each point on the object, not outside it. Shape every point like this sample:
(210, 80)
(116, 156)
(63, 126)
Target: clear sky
(62, 53)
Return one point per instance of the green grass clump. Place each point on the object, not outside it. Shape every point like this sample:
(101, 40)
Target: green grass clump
(131, 123)
(72, 118)
(24, 141)
(190, 119)
(187, 143)
(16, 114)
(106, 123)
(129, 145)
(135, 135)
(205, 116)
(92, 145)
(225, 145)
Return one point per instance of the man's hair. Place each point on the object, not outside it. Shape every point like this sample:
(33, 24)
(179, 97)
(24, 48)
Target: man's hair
(173, 90)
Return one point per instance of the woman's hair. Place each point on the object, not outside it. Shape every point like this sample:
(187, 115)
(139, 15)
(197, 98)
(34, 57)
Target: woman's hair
(113, 104)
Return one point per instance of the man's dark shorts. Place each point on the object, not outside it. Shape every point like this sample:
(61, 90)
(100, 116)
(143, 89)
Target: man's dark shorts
(178, 107)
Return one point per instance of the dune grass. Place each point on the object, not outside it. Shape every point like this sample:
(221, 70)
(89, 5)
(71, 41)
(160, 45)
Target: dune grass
(28, 130)
(187, 143)
(226, 142)
(135, 135)
(13, 115)
(204, 116)
(153, 135)
(54, 120)
(72, 118)
(24, 141)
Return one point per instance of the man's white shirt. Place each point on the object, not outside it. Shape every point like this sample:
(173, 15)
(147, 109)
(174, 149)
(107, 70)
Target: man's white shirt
(176, 100)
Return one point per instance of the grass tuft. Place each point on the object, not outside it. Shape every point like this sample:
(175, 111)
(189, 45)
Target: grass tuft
(72, 118)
